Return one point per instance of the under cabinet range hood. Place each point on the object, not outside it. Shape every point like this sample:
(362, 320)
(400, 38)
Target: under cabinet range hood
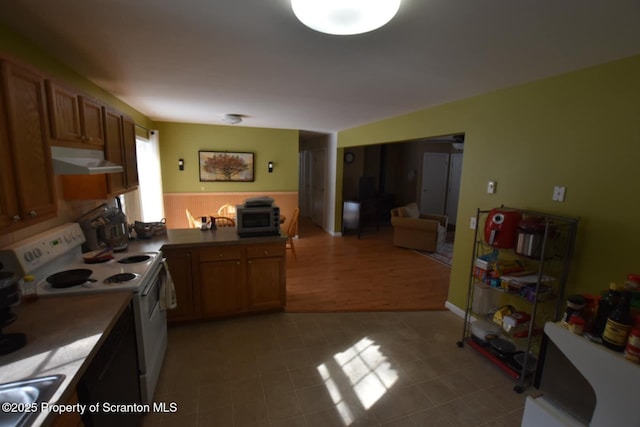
(77, 161)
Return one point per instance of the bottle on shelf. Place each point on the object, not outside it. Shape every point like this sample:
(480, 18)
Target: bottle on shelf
(605, 307)
(589, 311)
(618, 324)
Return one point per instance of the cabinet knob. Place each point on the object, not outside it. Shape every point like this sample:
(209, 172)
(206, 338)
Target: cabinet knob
(32, 214)
(266, 252)
(249, 262)
(238, 262)
(15, 218)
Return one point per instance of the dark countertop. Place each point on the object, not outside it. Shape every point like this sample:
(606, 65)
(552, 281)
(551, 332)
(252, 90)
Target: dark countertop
(189, 237)
(63, 335)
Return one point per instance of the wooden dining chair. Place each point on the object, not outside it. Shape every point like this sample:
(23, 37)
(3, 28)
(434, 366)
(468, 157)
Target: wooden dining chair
(291, 232)
(227, 210)
(193, 223)
(223, 221)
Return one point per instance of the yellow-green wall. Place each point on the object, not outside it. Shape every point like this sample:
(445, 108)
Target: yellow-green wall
(183, 141)
(580, 130)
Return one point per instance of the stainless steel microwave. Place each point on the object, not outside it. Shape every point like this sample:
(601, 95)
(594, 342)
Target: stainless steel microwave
(258, 220)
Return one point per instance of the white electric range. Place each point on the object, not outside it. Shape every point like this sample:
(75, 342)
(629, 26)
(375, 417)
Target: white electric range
(58, 251)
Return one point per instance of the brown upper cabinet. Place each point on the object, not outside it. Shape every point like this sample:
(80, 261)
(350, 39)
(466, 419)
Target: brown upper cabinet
(130, 156)
(27, 190)
(114, 152)
(75, 119)
(119, 148)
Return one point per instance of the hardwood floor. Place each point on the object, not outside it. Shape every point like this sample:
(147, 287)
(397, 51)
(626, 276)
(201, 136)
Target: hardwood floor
(333, 274)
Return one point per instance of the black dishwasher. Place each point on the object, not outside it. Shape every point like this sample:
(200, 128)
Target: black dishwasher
(110, 383)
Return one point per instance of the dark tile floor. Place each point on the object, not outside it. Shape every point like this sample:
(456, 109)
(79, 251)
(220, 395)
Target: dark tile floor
(332, 369)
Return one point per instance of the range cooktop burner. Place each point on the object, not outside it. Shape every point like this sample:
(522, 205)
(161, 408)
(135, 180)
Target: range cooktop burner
(134, 259)
(120, 278)
(69, 278)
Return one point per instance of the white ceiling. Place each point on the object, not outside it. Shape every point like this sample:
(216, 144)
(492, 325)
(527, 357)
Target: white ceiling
(196, 60)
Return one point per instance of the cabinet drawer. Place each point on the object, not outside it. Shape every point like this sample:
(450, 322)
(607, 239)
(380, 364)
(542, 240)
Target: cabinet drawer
(263, 251)
(220, 253)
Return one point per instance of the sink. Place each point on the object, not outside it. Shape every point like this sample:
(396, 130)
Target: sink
(31, 390)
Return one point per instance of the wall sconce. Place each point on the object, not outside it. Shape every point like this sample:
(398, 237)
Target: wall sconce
(270, 167)
(181, 164)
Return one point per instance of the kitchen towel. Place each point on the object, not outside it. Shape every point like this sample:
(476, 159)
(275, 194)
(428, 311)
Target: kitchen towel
(168, 298)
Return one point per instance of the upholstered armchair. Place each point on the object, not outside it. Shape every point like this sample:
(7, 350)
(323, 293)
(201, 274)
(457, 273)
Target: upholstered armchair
(424, 232)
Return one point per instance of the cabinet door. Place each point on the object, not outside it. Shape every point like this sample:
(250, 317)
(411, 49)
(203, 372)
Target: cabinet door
(130, 156)
(180, 267)
(91, 120)
(113, 149)
(266, 277)
(64, 113)
(31, 158)
(69, 419)
(222, 287)
(9, 212)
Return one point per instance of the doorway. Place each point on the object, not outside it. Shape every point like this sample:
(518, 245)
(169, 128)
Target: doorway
(440, 185)
(313, 160)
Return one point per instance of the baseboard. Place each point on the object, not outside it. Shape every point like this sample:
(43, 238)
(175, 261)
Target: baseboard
(454, 309)
(457, 310)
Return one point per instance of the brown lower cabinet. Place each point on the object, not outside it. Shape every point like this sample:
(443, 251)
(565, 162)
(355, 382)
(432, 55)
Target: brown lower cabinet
(226, 280)
(180, 264)
(69, 419)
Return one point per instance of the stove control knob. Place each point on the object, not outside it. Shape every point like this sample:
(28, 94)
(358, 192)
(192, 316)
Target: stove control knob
(28, 256)
(37, 252)
(68, 237)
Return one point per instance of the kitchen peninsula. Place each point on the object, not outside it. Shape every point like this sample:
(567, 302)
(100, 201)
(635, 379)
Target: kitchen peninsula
(218, 273)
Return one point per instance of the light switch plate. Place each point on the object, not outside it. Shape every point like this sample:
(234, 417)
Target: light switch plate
(491, 187)
(472, 223)
(558, 194)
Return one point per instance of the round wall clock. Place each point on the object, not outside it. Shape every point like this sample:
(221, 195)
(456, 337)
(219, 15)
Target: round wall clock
(349, 157)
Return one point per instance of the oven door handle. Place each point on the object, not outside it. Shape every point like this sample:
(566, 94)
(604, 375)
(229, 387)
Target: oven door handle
(159, 272)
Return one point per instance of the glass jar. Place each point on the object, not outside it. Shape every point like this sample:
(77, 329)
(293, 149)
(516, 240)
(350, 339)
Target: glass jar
(575, 304)
(29, 289)
(576, 324)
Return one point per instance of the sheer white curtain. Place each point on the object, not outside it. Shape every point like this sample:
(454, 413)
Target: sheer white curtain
(150, 176)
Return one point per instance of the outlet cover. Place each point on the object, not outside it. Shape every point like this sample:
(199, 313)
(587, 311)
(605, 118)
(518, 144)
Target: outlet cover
(558, 194)
(472, 223)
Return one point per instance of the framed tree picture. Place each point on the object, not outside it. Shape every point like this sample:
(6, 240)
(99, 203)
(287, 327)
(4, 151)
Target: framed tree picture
(226, 166)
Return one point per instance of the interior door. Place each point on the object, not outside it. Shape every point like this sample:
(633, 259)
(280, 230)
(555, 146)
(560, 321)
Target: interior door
(453, 188)
(435, 171)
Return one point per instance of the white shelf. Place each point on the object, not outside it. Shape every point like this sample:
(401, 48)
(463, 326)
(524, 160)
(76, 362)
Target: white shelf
(614, 378)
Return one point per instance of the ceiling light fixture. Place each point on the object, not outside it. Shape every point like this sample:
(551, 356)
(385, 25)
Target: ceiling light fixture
(345, 17)
(232, 119)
